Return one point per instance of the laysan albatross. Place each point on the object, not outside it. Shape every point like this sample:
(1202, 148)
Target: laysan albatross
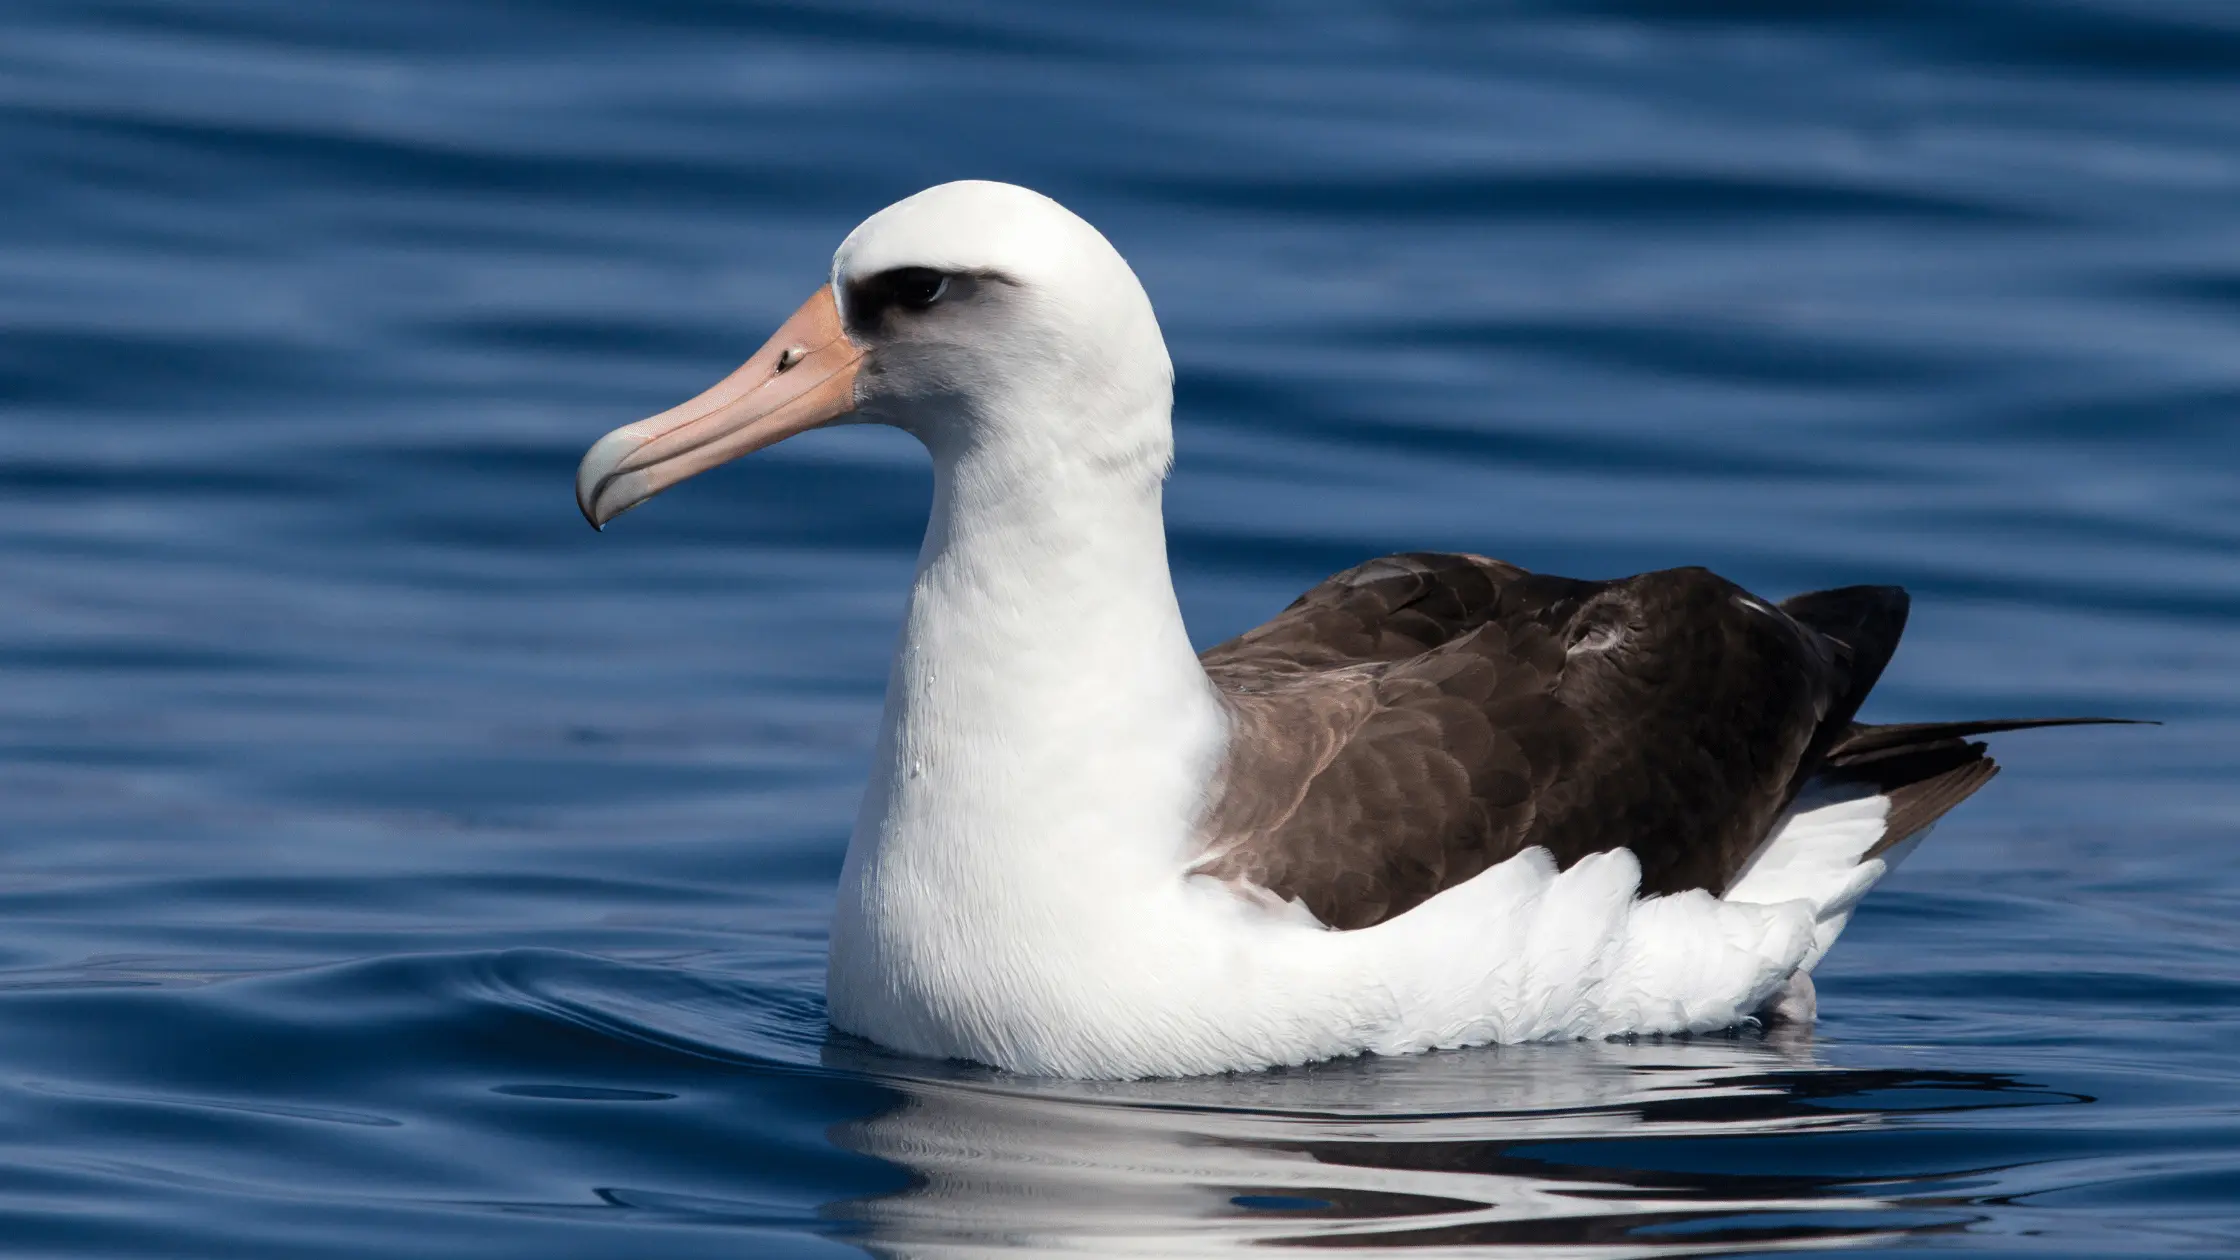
(1439, 801)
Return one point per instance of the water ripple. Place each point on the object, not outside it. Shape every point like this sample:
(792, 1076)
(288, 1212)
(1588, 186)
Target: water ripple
(392, 865)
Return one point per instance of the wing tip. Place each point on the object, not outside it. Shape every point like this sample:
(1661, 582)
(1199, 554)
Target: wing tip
(1864, 741)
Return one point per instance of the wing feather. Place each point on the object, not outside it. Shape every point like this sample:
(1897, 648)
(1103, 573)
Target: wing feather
(1411, 722)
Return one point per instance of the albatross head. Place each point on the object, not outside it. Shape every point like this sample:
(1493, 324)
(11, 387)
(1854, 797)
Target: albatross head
(980, 317)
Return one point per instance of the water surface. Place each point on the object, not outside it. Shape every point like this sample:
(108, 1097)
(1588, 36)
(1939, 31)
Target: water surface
(390, 865)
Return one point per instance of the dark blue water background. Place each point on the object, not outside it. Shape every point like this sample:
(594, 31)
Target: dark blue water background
(389, 866)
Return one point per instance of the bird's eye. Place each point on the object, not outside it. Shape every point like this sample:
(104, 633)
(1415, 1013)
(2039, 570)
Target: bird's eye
(917, 287)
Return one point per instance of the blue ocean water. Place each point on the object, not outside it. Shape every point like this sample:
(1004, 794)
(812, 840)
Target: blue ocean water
(390, 866)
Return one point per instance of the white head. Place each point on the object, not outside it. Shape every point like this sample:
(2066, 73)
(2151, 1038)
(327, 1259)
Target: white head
(983, 318)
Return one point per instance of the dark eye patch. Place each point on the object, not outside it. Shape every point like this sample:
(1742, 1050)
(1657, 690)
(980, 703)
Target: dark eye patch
(906, 291)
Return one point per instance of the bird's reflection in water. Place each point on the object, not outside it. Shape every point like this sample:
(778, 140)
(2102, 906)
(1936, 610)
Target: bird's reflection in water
(1604, 1149)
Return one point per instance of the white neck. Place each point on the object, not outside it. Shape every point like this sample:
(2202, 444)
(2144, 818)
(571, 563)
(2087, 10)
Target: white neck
(1045, 693)
(1048, 733)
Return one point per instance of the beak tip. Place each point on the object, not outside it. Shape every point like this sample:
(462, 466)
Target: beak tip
(596, 474)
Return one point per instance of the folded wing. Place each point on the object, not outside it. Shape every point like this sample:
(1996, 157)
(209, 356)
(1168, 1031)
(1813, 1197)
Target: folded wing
(1415, 720)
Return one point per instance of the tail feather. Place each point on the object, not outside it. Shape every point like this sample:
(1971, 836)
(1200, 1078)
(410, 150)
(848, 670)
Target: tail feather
(1922, 785)
(1926, 768)
(1862, 793)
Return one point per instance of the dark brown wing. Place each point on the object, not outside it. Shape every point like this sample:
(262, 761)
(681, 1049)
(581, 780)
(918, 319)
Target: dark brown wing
(1389, 739)
(1410, 722)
